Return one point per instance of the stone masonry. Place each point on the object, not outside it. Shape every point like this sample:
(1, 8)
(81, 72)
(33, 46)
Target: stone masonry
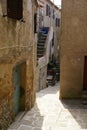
(17, 47)
(73, 47)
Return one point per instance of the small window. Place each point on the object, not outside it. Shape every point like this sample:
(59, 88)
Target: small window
(47, 10)
(15, 9)
(57, 22)
(53, 40)
(53, 14)
(35, 23)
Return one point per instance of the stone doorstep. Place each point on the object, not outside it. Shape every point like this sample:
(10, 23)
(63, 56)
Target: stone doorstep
(17, 122)
(20, 115)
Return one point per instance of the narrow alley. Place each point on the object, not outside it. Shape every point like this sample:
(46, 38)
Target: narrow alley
(50, 113)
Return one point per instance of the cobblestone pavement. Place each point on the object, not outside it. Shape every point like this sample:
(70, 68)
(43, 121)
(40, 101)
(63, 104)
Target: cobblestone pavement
(49, 113)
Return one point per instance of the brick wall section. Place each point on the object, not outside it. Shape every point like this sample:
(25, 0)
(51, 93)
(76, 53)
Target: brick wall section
(73, 47)
(17, 45)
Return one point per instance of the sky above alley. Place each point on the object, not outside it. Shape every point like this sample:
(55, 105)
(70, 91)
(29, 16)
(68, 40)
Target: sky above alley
(57, 2)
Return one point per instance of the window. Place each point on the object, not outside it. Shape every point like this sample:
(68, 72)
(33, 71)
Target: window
(47, 10)
(57, 22)
(15, 9)
(53, 14)
(35, 23)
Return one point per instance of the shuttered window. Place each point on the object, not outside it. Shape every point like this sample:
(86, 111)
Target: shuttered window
(57, 22)
(47, 10)
(15, 9)
(35, 23)
(53, 14)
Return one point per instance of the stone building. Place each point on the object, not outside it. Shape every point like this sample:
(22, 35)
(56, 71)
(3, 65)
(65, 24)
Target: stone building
(17, 59)
(48, 28)
(52, 18)
(73, 78)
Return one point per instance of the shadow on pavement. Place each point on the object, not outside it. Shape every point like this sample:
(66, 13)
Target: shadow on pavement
(77, 113)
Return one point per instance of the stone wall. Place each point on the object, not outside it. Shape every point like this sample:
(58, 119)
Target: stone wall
(41, 78)
(73, 47)
(17, 46)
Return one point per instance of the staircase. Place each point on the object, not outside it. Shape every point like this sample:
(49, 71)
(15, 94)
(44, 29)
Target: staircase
(53, 73)
(41, 47)
(84, 97)
(51, 80)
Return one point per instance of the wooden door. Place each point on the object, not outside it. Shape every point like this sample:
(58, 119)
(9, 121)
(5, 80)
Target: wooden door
(16, 89)
(85, 74)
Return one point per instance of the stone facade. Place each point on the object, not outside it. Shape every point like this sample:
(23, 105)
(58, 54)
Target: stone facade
(73, 47)
(49, 21)
(17, 48)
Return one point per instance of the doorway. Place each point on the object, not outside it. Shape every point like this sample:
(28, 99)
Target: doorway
(85, 74)
(19, 87)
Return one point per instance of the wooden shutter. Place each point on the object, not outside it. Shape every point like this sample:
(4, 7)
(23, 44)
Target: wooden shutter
(53, 14)
(58, 22)
(35, 23)
(15, 9)
(47, 10)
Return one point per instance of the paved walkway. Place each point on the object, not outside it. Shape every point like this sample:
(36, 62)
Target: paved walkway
(49, 113)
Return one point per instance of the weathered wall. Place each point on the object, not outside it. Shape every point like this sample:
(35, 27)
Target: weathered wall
(41, 78)
(17, 45)
(73, 47)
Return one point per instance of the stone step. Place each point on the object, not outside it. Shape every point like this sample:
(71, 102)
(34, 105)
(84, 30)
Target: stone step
(40, 46)
(41, 41)
(40, 50)
(84, 102)
(39, 55)
(17, 123)
(84, 95)
(84, 92)
(42, 37)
